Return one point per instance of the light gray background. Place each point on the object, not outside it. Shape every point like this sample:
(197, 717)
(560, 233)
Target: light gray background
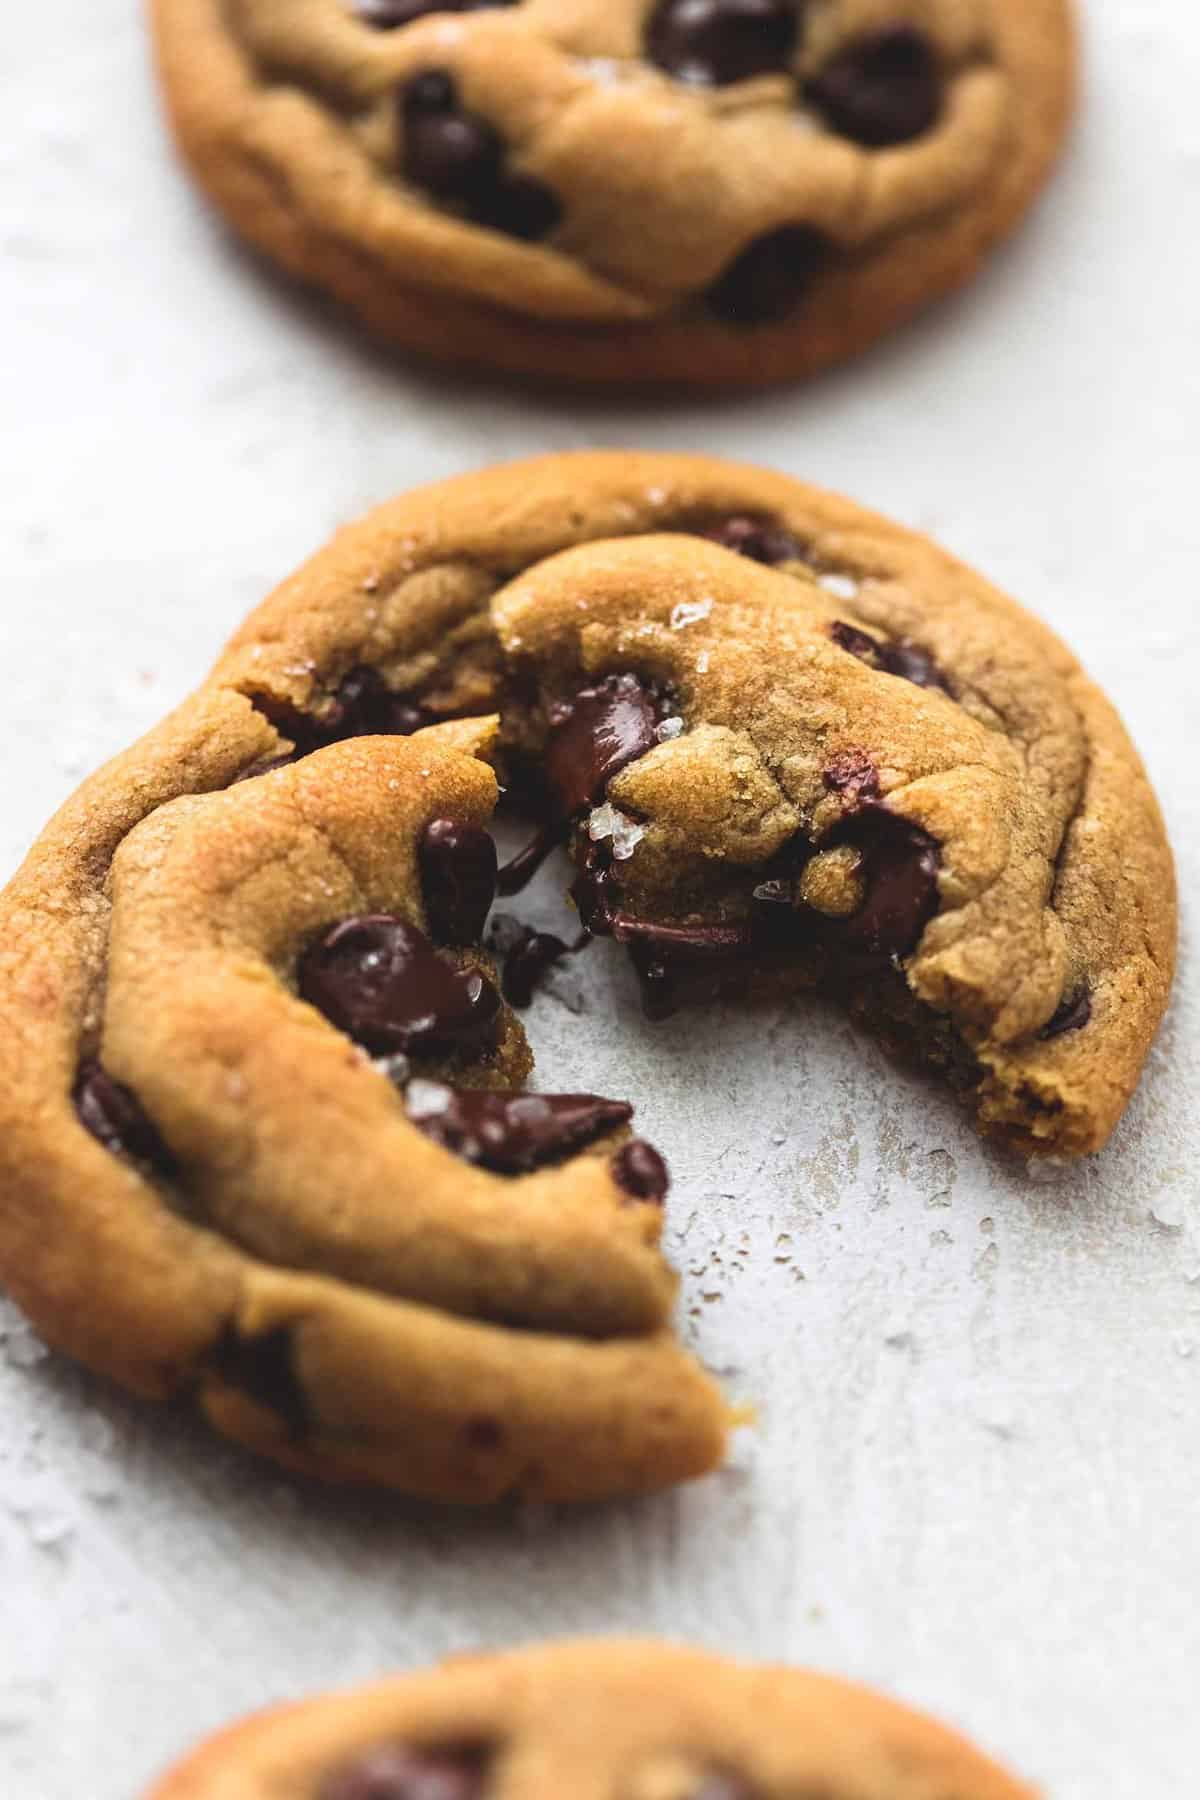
(975, 1480)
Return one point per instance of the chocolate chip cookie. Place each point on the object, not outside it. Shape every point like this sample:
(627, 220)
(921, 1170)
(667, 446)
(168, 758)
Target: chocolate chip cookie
(634, 1721)
(690, 191)
(263, 1135)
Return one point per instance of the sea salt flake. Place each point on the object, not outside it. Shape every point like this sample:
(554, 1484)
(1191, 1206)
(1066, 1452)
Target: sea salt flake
(670, 728)
(608, 821)
(427, 1099)
(689, 612)
(842, 587)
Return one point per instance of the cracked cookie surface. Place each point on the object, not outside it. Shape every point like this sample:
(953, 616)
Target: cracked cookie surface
(262, 1136)
(614, 1720)
(691, 191)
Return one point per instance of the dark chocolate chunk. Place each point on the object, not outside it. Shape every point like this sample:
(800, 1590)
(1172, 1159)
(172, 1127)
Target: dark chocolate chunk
(265, 768)
(903, 658)
(115, 1116)
(263, 1366)
(640, 1170)
(595, 888)
(685, 943)
(363, 706)
(884, 89)
(458, 879)
(455, 154)
(403, 1772)
(519, 206)
(389, 15)
(520, 870)
(899, 869)
(530, 961)
(512, 1133)
(459, 157)
(1074, 1012)
(853, 773)
(594, 736)
(761, 539)
(380, 980)
(713, 42)
(769, 280)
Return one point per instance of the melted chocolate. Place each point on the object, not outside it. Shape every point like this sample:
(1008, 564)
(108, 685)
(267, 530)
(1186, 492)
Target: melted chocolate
(364, 706)
(899, 868)
(640, 1170)
(116, 1118)
(530, 961)
(520, 869)
(263, 1367)
(512, 1133)
(903, 658)
(755, 536)
(403, 1772)
(380, 980)
(1074, 1012)
(458, 879)
(593, 737)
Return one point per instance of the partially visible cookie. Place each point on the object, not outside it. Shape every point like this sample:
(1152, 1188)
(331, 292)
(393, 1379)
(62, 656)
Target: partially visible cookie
(263, 1139)
(691, 191)
(606, 1720)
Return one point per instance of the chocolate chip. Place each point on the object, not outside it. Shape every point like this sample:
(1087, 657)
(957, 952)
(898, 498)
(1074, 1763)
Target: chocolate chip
(853, 774)
(768, 281)
(458, 879)
(640, 1170)
(400, 1772)
(761, 539)
(459, 157)
(594, 889)
(511, 1133)
(712, 42)
(520, 870)
(455, 154)
(263, 1366)
(1074, 1012)
(688, 943)
(903, 658)
(899, 869)
(530, 961)
(594, 736)
(363, 706)
(114, 1115)
(380, 980)
(389, 15)
(520, 207)
(884, 89)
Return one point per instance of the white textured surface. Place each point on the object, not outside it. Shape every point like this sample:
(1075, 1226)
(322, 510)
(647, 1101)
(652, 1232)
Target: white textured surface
(975, 1479)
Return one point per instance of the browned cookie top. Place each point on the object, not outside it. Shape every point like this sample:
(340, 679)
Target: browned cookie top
(259, 1138)
(593, 1721)
(718, 182)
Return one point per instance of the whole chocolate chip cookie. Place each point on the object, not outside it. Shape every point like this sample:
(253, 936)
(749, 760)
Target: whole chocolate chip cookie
(691, 191)
(617, 1720)
(263, 1135)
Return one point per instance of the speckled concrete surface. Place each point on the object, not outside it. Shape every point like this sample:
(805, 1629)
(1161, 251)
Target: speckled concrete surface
(974, 1480)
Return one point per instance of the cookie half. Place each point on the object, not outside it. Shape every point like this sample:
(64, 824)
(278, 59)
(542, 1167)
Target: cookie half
(613, 1720)
(689, 191)
(262, 1135)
